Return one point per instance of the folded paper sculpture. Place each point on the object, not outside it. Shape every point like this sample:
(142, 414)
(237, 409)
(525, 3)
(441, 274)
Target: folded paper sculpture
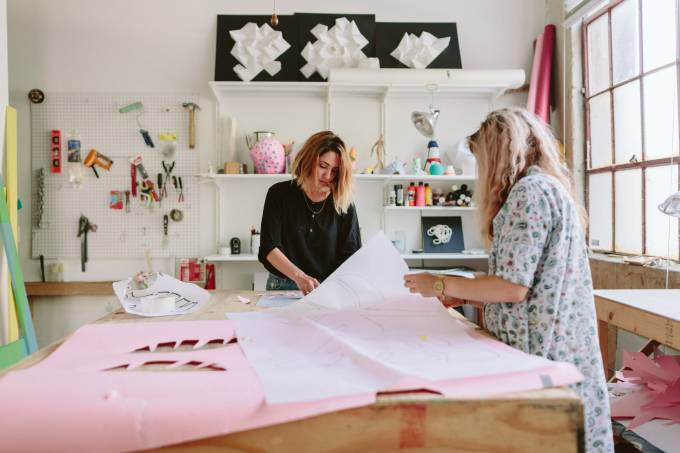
(337, 47)
(419, 52)
(257, 49)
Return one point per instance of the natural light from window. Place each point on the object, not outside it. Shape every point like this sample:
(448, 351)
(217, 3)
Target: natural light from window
(632, 154)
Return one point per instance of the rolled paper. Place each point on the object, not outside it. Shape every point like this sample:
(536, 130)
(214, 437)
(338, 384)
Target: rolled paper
(533, 84)
(545, 73)
(158, 303)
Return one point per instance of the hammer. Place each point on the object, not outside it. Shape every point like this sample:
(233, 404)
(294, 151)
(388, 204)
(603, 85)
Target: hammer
(192, 130)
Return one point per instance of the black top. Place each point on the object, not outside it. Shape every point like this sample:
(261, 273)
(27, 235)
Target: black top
(312, 235)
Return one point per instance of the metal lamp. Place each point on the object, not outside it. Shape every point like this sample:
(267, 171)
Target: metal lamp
(425, 122)
(670, 207)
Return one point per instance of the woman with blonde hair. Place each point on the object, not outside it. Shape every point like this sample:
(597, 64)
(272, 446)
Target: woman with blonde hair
(309, 224)
(538, 296)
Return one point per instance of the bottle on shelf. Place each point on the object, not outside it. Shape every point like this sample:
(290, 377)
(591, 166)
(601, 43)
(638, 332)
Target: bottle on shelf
(411, 194)
(391, 197)
(420, 194)
(428, 195)
(399, 192)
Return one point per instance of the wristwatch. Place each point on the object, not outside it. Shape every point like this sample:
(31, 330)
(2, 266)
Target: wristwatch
(438, 286)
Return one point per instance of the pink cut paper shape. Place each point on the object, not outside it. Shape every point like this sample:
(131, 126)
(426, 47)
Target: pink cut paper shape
(660, 393)
(79, 406)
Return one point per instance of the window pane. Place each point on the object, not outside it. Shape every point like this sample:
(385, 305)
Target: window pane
(627, 122)
(600, 211)
(628, 211)
(600, 130)
(660, 106)
(625, 47)
(598, 55)
(660, 182)
(658, 33)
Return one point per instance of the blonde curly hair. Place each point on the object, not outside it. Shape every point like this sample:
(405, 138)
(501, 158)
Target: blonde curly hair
(508, 142)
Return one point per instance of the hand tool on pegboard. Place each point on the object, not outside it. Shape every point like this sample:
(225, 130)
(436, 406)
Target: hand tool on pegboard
(138, 107)
(192, 106)
(84, 227)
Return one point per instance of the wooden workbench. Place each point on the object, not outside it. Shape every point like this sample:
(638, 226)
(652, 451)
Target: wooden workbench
(536, 421)
(649, 313)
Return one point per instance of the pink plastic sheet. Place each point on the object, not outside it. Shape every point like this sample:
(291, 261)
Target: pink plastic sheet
(78, 406)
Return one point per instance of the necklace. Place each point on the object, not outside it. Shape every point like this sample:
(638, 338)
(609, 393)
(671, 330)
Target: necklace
(314, 213)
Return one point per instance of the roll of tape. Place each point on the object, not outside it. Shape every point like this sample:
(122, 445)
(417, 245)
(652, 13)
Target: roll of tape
(176, 215)
(158, 303)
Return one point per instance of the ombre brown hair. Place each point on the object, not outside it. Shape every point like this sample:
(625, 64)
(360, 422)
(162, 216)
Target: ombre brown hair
(307, 159)
(508, 142)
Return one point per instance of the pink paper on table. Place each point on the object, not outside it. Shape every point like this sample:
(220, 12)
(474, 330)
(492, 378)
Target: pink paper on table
(78, 406)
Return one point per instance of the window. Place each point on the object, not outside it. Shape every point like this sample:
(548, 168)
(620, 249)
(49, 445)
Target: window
(631, 86)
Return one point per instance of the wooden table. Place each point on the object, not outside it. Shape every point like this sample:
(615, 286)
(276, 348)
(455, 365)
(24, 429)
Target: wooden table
(535, 421)
(650, 313)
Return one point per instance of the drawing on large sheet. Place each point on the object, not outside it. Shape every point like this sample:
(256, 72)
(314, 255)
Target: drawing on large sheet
(347, 291)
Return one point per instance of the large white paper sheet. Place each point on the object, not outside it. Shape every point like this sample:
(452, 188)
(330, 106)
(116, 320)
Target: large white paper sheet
(279, 299)
(188, 297)
(361, 331)
(374, 274)
(363, 349)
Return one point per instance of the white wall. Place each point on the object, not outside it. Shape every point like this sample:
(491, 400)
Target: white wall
(169, 46)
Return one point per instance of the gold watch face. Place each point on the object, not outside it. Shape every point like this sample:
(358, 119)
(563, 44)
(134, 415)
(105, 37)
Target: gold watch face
(439, 286)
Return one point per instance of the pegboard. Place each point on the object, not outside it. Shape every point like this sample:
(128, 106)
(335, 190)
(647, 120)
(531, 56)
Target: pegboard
(58, 205)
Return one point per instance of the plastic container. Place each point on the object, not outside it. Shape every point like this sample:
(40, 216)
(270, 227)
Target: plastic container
(411, 194)
(399, 191)
(420, 194)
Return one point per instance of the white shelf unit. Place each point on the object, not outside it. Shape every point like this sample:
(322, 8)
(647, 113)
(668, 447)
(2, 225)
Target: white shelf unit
(249, 257)
(359, 113)
(356, 176)
(444, 256)
(243, 257)
(431, 208)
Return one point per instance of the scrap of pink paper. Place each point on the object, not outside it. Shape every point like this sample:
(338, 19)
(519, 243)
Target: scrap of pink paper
(80, 406)
(659, 396)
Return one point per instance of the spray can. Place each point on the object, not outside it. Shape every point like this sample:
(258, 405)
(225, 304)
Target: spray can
(391, 197)
(399, 190)
(411, 194)
(428, 195)
(420, 194)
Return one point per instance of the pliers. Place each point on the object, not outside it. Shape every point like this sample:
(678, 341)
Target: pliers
(167, 168)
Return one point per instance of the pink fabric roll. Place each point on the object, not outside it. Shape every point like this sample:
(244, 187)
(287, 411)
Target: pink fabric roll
(545, 74)
(531, 102)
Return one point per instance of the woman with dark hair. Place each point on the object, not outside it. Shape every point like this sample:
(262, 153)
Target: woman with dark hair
(309, 224)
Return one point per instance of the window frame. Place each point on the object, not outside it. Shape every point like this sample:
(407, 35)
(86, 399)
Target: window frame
(641, 164)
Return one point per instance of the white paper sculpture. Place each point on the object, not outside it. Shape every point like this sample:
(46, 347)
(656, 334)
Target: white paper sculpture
(339, 47)
(257, 49)
(418, 53)
(462, 158)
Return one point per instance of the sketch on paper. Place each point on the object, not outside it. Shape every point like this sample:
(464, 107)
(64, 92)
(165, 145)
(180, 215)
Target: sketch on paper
(361, 331)
(188, 297)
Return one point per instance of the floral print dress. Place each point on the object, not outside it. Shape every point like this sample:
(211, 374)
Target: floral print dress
(538, 243)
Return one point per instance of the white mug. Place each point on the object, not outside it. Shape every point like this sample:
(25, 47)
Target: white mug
(225, 250)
